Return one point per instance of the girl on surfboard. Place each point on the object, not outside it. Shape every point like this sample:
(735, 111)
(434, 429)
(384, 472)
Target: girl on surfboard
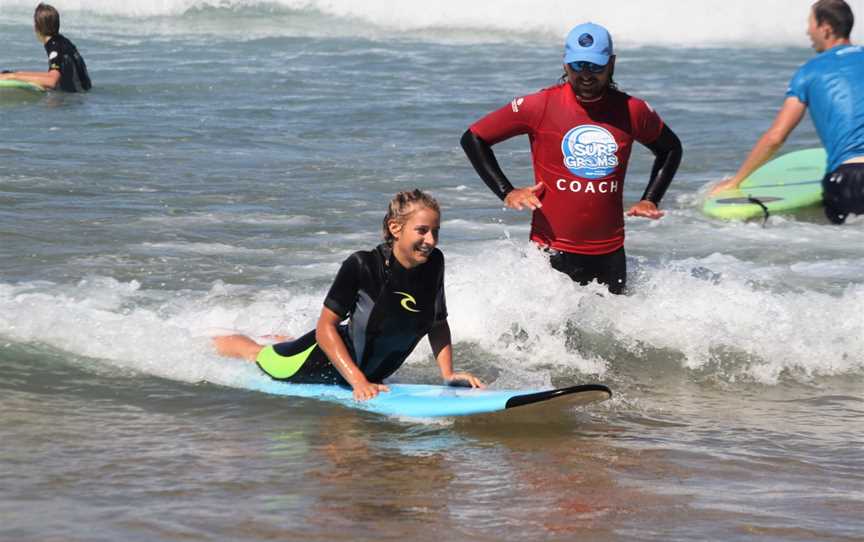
(392, 296)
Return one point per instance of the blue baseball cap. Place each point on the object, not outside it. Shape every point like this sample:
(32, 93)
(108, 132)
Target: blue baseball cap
(588, 42)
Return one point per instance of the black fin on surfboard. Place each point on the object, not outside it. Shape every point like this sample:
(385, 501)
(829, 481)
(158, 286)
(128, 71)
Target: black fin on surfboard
(585, 393)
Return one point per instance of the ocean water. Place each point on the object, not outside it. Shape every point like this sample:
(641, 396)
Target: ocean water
(233, 153)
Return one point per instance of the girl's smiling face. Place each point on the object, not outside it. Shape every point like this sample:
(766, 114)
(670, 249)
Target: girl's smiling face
(415, 238)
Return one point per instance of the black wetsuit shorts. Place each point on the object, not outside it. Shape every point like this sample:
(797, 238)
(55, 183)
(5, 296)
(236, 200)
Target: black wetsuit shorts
(609, 269)
(843, 192)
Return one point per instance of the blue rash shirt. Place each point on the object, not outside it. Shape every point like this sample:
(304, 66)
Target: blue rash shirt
(831, 85)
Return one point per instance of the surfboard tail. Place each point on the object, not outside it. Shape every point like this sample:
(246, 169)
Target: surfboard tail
(575, 395)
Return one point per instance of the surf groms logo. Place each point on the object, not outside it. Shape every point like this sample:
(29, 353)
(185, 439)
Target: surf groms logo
(589, 151)
(408, 302)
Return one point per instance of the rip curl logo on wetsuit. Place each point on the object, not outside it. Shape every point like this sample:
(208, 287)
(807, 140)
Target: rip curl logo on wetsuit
(589, 151)
(408, 302)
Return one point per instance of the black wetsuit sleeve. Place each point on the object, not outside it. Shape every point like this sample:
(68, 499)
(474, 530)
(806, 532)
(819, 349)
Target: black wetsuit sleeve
(342, 297)
(667, 157)
(55, 55)
(483, 159)
(440, 299)
(64, 57)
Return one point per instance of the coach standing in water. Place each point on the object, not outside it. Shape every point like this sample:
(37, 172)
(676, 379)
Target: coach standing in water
(581, 133)
(831, 85)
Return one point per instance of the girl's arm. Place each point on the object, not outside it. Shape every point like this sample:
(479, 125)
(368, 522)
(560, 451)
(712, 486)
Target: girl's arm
(439, 340)
(327, 335)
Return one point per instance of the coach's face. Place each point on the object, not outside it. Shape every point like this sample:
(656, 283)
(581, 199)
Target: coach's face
(589, 81)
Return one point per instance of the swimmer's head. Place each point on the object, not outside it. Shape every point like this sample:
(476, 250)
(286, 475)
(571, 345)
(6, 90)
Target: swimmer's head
(46, 21)
(829, 20)
(411, 227)
(402, 206)
(589, 61)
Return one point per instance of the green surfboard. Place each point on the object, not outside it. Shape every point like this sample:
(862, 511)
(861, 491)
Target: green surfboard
(786, 184)
(14, 84)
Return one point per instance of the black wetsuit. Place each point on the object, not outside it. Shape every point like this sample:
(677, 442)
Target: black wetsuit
(64, 57)
(390, 308)
(609, 269)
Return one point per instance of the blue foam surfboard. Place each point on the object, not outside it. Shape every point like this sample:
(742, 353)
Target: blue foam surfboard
(430, 401)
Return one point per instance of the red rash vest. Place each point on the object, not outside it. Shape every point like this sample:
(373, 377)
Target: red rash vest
(580, 152)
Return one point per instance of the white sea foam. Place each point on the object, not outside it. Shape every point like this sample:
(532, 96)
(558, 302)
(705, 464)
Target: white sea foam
(707, 315)
(151, 332)
(461, 225)
(662, 22)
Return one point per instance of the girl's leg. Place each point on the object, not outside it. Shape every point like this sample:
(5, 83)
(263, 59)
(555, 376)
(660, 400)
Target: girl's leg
(237, 346)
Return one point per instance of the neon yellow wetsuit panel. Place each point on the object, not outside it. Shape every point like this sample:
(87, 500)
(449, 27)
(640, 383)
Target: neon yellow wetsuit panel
(282, 366)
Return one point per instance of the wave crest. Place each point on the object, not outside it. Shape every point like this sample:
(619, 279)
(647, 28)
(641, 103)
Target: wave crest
(661, 22)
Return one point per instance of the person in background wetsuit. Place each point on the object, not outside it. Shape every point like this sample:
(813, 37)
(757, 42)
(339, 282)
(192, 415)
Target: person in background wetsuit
(581, 133)
(66, 68)
(831, 85)
(392, 296)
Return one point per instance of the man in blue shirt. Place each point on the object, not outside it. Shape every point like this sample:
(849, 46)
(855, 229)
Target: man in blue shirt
(831, 85)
